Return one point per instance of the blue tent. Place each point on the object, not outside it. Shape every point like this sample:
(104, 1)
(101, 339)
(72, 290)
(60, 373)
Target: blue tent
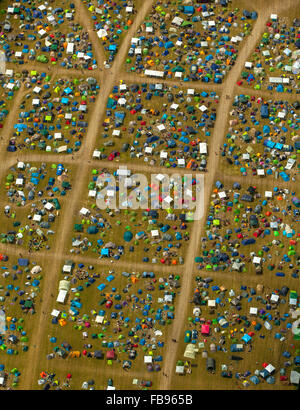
(23, 262)
(248, 241)
(246, 338)
(128, 236)
(105, 252)
(254, 379)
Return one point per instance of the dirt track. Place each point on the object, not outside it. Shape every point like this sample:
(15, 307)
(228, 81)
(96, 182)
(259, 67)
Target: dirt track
(107, 79)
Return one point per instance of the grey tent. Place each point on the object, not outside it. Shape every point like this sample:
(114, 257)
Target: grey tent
(210, 364)
(294, 377)
(98, 354)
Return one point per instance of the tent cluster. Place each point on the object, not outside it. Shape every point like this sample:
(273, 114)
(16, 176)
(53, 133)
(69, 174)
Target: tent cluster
(45, 34)
(128, 315)
(112, 231)
(263, 137)
(34, 193)
(20, 288)
(48, 380)
(251, 230)
(53, 117)
(51, 380)
(158, 124)
(9, 379)
(188, 41)
(275, 63)
(227, 323)
(111, 20)
(9, 85)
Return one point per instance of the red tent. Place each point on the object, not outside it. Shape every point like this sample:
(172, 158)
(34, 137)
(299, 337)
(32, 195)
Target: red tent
(205, 329)
(110, 354)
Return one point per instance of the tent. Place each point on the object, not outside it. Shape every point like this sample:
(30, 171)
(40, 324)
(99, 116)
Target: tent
(110, 354)
(190, 351)
(23, 262)
(210, 364)
(128, 236)
(179, 370)
(205, 329)
(98, 354)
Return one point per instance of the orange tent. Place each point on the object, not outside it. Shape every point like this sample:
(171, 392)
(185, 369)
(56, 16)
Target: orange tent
(74, 354)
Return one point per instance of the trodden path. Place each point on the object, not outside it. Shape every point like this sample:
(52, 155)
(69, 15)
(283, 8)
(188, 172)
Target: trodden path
(82, 163)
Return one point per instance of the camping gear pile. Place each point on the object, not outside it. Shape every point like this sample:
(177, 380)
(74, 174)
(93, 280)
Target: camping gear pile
(118, 317)
(226, 323)
(275, 63)
(46, 35)
(9, 379)
(48, 380)
(158, 124)
(248, 230)
(146, 234)
(189, 41)
(53, 116)
(34, 193)
(20, 287)
(263, 137)
(111, 20)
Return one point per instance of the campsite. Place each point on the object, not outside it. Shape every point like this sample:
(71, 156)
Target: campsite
(228, 345)
(189, 42)
(115, 319)
(262, 138)
(111, 20)
(20, 292)
(149, 205)
(168, 127)
(251, 230)
(274, 65)
(118, 230)
(33, 195)
(53, 115)
(46, 35)
(10, 84)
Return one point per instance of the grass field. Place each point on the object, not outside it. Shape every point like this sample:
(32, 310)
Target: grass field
(132, 312)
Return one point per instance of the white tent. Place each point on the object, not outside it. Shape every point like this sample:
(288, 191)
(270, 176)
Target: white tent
(190, 351)
(179, 370)
(61, 296)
